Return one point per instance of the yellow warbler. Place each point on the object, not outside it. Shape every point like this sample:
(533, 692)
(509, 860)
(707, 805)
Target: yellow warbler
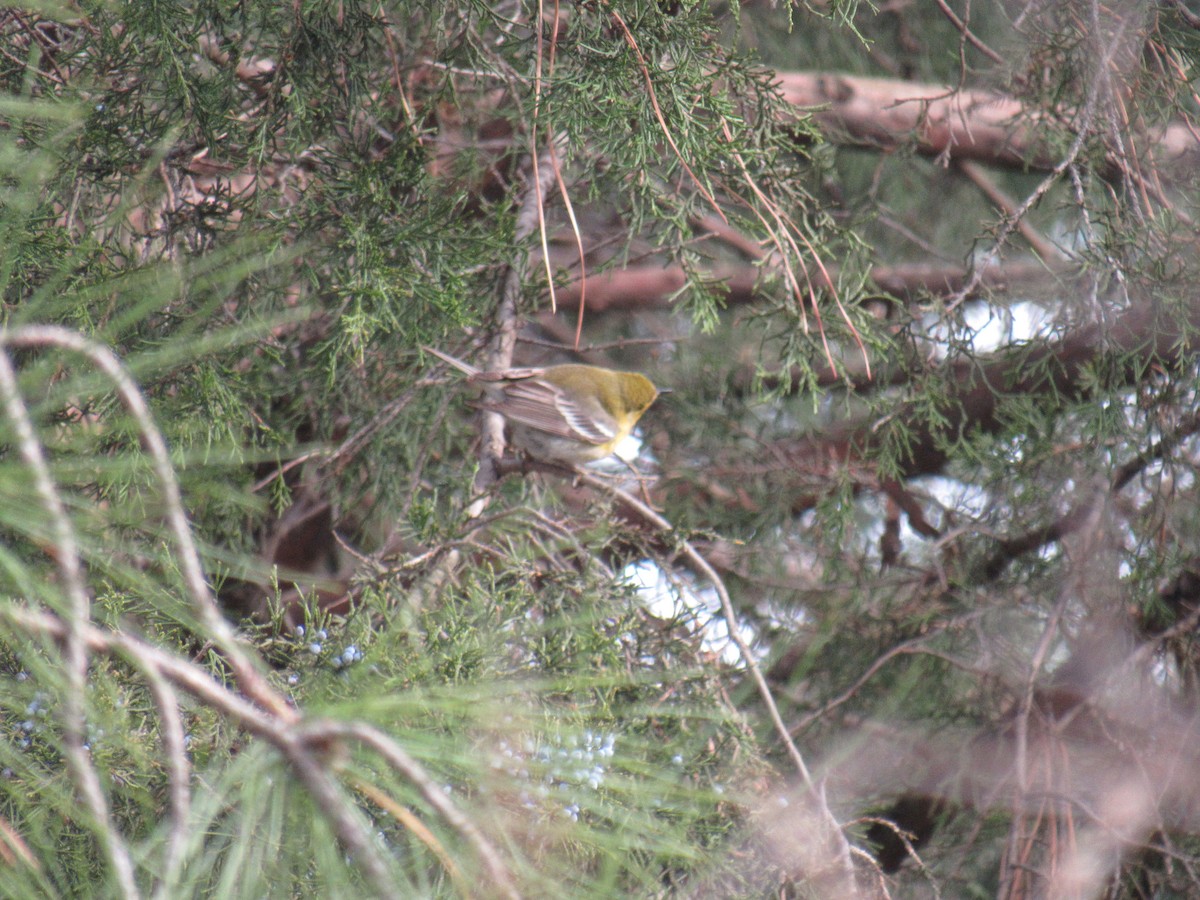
(568, 413)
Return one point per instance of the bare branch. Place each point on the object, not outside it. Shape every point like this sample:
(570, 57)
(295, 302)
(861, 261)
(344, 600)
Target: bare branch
(432, 793)
(1142, 341)
(306, 744)
(968, 34)
(178, 776)
(203, 603)
(976, 125)
(75, 616)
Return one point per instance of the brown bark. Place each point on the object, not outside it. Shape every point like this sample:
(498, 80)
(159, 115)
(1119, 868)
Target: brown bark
(650, 286)
(944, 122)
(653, 286)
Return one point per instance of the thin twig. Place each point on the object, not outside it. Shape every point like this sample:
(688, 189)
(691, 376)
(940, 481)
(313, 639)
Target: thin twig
(968, 34)
(693, 556)
(178, 778)
(790, 277)
(431, 792)
(1087, 116)
(912, 646)
(491, 423)
(701, 565)
(352, 445)
(357, 838)
(1043, 247)
(1015, 853)
(1012, 547)
(48, 51)
(658, 113)
(538, 26)
(418, 829)
(491, 447)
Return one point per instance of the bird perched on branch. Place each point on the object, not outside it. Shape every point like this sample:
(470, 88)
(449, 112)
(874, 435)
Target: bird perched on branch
(569, 413)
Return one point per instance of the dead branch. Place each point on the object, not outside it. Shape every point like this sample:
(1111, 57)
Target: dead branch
(654, 286)
(1141, 342)
(942, 122)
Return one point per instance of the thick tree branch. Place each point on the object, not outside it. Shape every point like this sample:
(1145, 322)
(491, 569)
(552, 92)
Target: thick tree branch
(654, 286)
(1145, 340)
(946, 123)
(1013, 547)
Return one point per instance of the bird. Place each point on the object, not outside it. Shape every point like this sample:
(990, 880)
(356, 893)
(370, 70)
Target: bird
(568, 413)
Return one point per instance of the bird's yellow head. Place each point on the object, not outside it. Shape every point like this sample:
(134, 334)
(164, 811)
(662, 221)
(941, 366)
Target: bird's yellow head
(637, 391)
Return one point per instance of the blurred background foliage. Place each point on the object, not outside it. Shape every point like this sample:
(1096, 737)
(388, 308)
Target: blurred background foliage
(934, 511)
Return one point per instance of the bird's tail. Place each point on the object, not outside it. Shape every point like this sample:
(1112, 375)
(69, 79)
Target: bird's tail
(466, 368)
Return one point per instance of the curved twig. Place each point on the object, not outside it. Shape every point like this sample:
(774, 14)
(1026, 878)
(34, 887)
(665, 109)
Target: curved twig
(217, 628)
(77, 615)
(303, 743)
(702, 566)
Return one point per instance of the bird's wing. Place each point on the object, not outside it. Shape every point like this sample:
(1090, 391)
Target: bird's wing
(538, 404)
